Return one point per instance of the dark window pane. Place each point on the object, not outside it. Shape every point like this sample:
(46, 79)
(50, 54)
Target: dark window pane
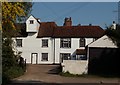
(19, 42)
(65, 56)
(45, 43)
(31, 21)
(65, 43)
(82, 42)
(44, 56)
(81, 57)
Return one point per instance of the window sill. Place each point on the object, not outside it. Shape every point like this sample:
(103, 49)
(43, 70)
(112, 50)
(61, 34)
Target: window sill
(82, 59)
(44, 46)
(65, 47)
(19, 47)
(44, 60)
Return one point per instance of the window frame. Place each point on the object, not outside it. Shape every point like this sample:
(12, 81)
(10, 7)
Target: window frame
(44, 55)
(82, 42)
(65, 42)
(94, 39)
(44, 43)
(19, 44)
(81, 57)
(64, 57)
(31, 21)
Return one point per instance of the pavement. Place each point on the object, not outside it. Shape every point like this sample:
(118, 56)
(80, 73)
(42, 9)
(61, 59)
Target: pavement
(48, 75)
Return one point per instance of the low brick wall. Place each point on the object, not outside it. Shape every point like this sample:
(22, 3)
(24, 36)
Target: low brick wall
(75, 66)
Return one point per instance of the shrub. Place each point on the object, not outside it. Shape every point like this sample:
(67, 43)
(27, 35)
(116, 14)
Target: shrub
(11, 73)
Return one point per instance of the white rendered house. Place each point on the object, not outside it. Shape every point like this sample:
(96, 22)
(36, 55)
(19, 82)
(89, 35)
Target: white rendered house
(47, 43)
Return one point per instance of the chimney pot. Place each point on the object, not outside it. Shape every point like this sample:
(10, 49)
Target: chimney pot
(113, 22)
(90, 24)
(67, 22)
(79, 24)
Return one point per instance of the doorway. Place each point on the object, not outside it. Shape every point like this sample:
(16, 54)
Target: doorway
(34, 58)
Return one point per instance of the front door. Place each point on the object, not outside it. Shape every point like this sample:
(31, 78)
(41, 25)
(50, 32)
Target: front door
(34, 58)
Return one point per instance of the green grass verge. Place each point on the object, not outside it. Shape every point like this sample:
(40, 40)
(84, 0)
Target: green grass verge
(68, 74)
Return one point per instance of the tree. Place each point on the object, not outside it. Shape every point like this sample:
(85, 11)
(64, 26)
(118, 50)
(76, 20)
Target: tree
(114, 34)
(114, 56)
(10, 11)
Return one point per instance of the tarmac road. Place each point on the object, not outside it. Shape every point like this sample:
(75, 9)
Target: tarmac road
(47, 75)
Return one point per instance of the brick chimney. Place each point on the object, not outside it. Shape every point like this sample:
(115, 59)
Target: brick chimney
(67, 22)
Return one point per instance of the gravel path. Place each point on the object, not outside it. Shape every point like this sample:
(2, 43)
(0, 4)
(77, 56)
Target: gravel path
(47, 73)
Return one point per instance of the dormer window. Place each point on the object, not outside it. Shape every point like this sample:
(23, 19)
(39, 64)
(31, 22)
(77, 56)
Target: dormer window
(31, 21)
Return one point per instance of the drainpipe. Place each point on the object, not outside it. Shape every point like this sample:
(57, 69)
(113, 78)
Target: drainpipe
(88, 58)
(54, 51)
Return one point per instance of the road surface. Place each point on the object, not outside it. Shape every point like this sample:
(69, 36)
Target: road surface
(47, 75)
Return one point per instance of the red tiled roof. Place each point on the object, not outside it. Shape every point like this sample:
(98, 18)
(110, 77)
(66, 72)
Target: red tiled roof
(78, 31)
(50, 29)
(20, 30)
(80, 51)
(46, 29)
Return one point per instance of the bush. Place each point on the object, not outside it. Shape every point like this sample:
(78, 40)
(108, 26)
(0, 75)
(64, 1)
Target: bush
(68, 74)
(10, 67)
(14, 72)
(5, 79)
(11, 73)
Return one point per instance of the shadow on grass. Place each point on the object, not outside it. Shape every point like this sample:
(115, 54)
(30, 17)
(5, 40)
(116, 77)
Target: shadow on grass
(44, 83)
(68, 74)
(30, 82)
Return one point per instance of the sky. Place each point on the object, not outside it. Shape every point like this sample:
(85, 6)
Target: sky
(75, 0)
(84, 13)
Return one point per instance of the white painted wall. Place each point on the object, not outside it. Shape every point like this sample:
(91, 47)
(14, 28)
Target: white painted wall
(75, 66)
(58, 50)
(74, 45)
(89, 40)
(32, 27)
(31, 44)
(103, 42)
